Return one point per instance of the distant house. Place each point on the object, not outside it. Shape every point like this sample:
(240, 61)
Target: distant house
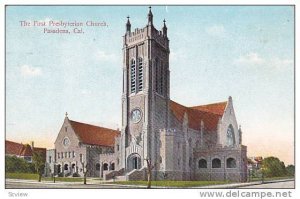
(24, 151)
(255, 163)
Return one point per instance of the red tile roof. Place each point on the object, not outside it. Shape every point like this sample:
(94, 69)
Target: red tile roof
(26, 150)
(209, 114)
(94, 135)
(13, 148)
(216, 108)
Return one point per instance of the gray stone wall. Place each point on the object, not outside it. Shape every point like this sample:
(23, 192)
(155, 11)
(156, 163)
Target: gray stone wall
(50, 161)
(228, 118)
(236, 173)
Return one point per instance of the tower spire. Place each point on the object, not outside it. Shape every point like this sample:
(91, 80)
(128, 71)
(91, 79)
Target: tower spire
(150, 17)
(165, 29)
(128, 25)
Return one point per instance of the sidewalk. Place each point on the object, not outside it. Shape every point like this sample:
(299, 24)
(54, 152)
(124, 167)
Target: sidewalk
(43, 182)
(238, 185)
(104, 183)
(222, 186)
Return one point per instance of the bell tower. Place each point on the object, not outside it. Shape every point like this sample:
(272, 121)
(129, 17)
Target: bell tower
(145, 98)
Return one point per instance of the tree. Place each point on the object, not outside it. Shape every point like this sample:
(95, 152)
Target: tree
(290, 170)
(85, 171)
(149, 172)
(39, 163)
(273, 167)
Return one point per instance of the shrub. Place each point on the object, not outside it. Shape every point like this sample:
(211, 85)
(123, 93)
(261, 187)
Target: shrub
(14, 164)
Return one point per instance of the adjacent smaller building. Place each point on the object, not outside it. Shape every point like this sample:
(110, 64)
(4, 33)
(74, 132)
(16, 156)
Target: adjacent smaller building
(77, 149)
(24, 151)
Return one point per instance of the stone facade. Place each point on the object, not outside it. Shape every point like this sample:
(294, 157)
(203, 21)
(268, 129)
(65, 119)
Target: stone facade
(182, 143)
(173, 137)
(72, 155)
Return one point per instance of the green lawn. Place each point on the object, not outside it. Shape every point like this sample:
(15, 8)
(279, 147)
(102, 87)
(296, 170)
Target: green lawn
(173, 183)
(31, 176)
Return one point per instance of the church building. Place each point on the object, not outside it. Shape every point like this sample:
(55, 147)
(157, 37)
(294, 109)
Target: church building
(182, 143)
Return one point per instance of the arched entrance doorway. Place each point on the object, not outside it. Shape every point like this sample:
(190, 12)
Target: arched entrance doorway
(133, 162)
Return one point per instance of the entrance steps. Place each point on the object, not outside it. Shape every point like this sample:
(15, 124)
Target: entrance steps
(135, 174)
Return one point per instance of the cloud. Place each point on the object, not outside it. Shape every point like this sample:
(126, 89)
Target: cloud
(216, 30)
(250, 59)
(30, 71)
(254, 59)
(104, 56)
(281, 63)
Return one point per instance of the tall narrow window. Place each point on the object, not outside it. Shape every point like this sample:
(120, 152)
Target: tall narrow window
(161, 86)
(132, 75)
(105, 166)
(156, 65)
(140, 74)
(230, 136)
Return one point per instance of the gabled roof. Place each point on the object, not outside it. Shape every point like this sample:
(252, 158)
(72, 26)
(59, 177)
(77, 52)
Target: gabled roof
(94, 135)
(13, 148)
(26, 150)
(216, 108)
(209, 114)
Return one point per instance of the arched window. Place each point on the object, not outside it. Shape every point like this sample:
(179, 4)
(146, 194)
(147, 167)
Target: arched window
(105, 166)
(132, 76)
(112, 166)
(216, 163)
(140, 73)
(97, 167)
(202, 163)
(66, 167)
(231, 163)
(230, 138)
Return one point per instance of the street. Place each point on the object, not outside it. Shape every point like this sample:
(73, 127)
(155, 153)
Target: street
(60, 185)
(282, 185)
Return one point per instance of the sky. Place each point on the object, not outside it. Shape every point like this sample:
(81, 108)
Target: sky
(246, 52)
